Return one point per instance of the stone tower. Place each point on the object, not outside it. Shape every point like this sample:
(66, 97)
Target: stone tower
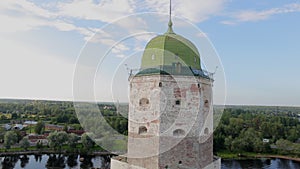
(170, 109)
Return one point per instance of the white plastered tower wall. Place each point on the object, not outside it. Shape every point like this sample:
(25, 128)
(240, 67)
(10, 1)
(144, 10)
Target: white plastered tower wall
(187, 150)
(155, 116)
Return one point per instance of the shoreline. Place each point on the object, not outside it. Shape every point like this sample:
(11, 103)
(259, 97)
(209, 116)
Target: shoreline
(103, 153)
(279, 156)
(245, 156)
(54, 152)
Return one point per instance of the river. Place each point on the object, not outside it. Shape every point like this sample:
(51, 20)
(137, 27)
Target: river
(102, 162)
(261, 163)
(54, 160)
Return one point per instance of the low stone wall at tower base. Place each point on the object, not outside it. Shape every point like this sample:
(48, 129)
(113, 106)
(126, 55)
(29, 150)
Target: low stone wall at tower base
(117, 164)
(216, 164)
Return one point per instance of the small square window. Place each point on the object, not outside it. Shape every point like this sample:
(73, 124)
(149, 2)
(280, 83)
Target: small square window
(177, 102)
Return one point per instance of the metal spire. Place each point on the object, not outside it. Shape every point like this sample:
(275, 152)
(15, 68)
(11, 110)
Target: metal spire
(170, 29)
(170, 9)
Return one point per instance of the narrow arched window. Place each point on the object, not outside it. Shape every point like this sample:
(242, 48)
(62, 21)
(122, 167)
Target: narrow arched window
(160, 84)
(206, 103)
(178, 67)
(153, 57)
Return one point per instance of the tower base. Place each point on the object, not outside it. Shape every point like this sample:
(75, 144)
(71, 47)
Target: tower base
(121, 163)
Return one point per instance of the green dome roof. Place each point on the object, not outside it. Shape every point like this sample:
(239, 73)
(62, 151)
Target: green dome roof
(170, 49)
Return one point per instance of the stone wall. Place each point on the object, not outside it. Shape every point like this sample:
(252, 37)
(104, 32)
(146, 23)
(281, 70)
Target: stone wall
(170, 121)
(116, 164)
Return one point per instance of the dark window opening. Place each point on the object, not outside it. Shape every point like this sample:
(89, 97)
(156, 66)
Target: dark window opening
(198, 85)
(177, 102)
(206, 103)
(160, 84)
(143, 130)
(144, 102)
(206, 131)
(180, 162)
(178, 132)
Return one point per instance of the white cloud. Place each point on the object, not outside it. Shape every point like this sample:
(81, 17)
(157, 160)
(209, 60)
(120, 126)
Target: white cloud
(105, 11)
(252, 15)
(27, 72)
(196, 11)
(26, 7)
(228, 22)
(23, 15)
(16, 24)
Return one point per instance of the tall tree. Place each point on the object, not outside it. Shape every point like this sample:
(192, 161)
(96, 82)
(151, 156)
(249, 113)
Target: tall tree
(57, 139)
(10, 138)
(39, 128)
(87, 142)
(72, 140)
(25, 143)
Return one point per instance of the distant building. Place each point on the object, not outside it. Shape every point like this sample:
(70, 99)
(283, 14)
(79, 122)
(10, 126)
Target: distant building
(54, 127)
(18, 127)
(7, 126)
(34, 139)
(108, 107)
(266, 140)
(30, 123)
(78, 132)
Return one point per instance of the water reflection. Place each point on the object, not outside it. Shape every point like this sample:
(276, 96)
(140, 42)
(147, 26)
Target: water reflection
(72, 161)
(24, 161)
(60, 161)
(57, 161)
(259, 164)
(86, 162)
(38, 158)
(9, 162)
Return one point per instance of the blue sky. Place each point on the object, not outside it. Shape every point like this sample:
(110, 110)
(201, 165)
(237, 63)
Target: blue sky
(257, 42)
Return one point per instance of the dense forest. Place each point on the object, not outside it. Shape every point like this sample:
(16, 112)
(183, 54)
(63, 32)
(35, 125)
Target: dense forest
(259, 130)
